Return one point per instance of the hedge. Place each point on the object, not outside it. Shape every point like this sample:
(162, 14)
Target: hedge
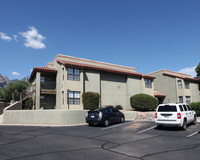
(196, 107)
(143, 102)
(90, 100)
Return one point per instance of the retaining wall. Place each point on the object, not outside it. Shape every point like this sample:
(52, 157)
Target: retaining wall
(51, 117)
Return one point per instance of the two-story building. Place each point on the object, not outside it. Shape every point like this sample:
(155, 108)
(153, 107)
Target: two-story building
(177, 87)
(60, 84)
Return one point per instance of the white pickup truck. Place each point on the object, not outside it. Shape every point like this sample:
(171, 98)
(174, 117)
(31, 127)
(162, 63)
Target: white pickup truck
(175, 114)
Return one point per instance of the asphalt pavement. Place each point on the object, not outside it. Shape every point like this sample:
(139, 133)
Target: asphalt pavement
(132, 140)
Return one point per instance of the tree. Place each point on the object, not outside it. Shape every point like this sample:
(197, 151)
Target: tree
(198, 70)
(13, 89)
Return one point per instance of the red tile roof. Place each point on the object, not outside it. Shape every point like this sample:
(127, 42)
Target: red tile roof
(101, 68)
(182, 77)
(170, 72)
(41, 69)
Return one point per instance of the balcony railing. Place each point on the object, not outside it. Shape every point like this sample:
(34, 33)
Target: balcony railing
(48, 85)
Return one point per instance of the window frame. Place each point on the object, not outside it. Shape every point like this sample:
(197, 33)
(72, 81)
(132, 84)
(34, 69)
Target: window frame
(73, 74)
(180, 85)
(42, 98)
(179, 99)
(187, 84)
(188, 101)
(72, 99)
(148, 83)
(42, 79)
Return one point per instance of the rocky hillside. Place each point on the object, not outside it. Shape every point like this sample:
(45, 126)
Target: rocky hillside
(3, 81)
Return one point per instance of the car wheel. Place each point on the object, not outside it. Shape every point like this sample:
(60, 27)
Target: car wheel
(90, 124)
(194, 120)
(184, 126)
(122, 120)
(106, 123)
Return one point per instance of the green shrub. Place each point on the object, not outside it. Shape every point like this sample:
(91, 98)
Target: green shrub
(90, 100)
(196, 107)
(143, 102)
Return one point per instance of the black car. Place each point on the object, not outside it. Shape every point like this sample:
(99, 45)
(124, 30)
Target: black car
(104, 116)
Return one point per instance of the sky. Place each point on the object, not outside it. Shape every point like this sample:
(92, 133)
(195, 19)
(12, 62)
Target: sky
(148, 35)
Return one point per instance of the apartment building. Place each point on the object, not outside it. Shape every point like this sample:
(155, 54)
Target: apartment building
(177, 87)
(60, 84)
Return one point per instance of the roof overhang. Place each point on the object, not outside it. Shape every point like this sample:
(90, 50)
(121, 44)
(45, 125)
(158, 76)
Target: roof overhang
(41, 69)
(101, 68)
(159, 95)
(182, 77)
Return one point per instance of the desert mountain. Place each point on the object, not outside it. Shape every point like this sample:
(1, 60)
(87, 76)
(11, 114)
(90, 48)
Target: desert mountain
(3, 81)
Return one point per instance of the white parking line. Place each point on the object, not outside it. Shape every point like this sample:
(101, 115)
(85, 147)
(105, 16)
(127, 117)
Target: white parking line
(146, 129)
(116, 125)
(193, 134)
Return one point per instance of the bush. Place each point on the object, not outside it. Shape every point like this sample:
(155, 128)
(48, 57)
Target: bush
(143, 102)
(90, 100)
(119, 107)
(196, 107)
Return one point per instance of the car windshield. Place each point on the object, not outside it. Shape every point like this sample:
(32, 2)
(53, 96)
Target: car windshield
(167, 108)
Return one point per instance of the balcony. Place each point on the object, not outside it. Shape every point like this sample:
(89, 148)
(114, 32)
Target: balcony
(48, 87)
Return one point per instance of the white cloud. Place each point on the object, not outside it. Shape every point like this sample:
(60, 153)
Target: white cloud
(5, 37)
(33, 38)
(15, 37)
(15, 74)
(190, 70)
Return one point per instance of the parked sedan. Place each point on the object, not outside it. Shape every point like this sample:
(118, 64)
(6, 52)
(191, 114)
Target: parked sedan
(104, 116)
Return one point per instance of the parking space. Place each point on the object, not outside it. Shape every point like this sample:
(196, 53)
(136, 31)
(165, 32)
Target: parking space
(129, 140)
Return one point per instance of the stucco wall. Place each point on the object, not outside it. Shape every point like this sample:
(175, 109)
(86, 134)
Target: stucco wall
(92, 81)
(166, 85)
(113, 89)
(134, 86)
(51, 117)
(195, 92)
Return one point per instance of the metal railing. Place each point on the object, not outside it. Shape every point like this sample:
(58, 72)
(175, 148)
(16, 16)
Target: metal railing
(48, 85)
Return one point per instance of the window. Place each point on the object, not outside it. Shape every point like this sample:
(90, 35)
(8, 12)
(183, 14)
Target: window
(41, 98)
(167, 108)
(185, 108)
(180, 99)
(179, 84)
(188, 99)
(148, 83)
(181, 108)
(42, 79)
(73, 97)
(187, 85)
(73, 74)
(189, 108)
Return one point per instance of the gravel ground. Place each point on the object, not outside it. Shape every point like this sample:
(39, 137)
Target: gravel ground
(146, 116)
(150, 116)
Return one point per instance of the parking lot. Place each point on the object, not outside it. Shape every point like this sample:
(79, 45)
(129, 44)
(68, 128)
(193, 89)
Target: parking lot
(131, 140)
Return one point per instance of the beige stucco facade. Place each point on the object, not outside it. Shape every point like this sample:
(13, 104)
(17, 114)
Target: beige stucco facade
(115, 83)
(173, 85)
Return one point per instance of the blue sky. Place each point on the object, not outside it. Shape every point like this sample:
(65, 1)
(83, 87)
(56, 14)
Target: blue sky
(148, 35)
